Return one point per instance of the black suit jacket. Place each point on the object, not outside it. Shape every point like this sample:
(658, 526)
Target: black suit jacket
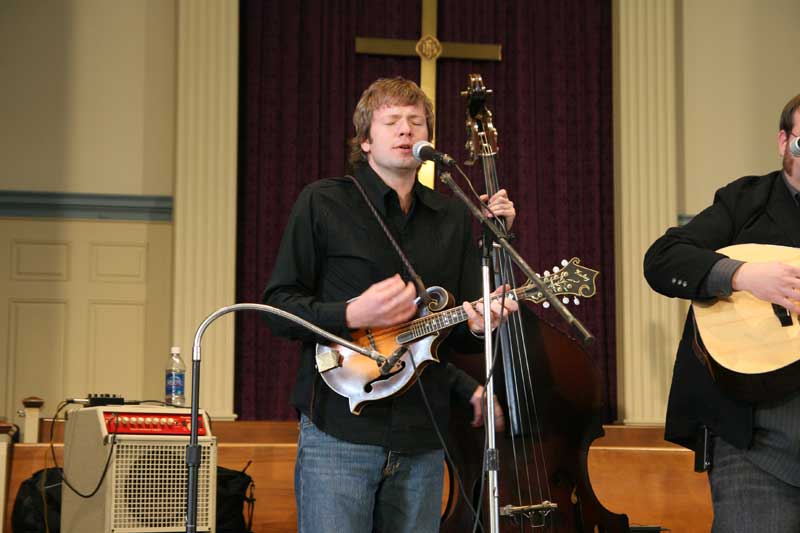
(753, 209)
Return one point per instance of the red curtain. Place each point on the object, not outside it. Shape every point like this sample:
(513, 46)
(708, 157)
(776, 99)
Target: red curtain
(300, 79)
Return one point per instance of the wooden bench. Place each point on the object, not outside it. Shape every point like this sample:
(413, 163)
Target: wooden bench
(633, 471)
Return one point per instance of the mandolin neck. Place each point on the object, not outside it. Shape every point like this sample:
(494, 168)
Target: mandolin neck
(422, 327)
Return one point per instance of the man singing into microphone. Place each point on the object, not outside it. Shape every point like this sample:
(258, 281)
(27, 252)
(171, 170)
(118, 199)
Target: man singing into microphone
(380, 470)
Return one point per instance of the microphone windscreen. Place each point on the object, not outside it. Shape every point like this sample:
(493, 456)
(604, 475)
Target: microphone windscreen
(794, 147)
(416, 150)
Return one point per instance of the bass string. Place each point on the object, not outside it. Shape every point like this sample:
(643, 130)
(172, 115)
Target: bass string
(519, 360)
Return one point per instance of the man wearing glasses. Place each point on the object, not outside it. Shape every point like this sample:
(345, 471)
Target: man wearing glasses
(755, 469)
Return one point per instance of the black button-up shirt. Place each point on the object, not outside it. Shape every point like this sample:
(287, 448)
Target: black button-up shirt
(333, 250)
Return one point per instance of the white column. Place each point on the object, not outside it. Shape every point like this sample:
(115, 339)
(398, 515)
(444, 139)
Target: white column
(6, 432)
(205, 192)
(30, 425)
(645, 116)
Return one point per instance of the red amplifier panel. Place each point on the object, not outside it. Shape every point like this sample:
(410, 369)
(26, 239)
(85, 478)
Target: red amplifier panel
(151, 424)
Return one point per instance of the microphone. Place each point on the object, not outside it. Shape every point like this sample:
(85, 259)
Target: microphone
(794, 147)
(424, 151)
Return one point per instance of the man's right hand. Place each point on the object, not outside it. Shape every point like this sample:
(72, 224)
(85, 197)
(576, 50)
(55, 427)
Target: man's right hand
(477, 401)
(773, 282)
(383, 304)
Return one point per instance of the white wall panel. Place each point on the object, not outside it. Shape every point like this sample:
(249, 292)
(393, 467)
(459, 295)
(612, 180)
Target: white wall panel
(118, 262)
(38, 261)
(116, 348)
(37, 346)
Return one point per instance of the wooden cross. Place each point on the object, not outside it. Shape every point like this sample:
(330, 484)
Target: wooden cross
(429, 49)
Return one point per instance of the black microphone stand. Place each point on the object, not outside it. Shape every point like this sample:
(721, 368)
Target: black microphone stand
(193, 453)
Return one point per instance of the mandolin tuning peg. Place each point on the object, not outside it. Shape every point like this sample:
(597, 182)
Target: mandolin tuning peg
(564, 262)
(576, 301)
(546, 305)
(546, 273)
(565, 299)
(555, 269)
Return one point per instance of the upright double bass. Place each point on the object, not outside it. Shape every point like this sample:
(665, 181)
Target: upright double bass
(550, 392)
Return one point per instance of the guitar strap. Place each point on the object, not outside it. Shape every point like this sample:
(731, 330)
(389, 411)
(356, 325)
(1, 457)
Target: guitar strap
(422, 292)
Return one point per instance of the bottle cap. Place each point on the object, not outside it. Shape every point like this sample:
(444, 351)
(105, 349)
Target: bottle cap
(175, 349)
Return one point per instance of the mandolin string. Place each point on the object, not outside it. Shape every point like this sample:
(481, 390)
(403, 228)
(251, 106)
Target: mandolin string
(455, 316)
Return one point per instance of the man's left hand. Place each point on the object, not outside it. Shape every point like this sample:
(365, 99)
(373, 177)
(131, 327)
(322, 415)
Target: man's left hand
(475, 312)
(500, 206)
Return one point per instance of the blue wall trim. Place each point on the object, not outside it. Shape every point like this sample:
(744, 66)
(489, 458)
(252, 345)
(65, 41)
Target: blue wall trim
(79, 205)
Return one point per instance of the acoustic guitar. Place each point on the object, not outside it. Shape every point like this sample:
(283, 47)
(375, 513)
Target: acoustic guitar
(751, 347)
(363, 380)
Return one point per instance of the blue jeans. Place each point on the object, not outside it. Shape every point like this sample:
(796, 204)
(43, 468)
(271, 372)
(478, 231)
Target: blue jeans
(747, 499)
(341, 487)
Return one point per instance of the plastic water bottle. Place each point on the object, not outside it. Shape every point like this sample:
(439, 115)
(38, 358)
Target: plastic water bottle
(175, 378)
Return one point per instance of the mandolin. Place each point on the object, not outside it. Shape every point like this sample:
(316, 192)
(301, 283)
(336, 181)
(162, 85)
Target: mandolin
(751, 347)
(363, 380)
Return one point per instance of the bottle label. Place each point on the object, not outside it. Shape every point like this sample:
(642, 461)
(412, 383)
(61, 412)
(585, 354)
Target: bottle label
(174, 383)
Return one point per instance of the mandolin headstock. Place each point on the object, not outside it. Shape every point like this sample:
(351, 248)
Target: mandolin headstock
(571, 279)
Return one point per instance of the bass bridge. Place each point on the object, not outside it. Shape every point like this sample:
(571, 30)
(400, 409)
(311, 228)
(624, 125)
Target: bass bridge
(536, 514)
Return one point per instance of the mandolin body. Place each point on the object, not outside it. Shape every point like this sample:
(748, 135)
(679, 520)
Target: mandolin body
(359, 378)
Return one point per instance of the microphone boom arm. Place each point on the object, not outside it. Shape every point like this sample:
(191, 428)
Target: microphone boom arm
(193, 452)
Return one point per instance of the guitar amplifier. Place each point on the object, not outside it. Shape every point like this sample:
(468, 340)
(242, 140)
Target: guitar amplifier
(142, 451)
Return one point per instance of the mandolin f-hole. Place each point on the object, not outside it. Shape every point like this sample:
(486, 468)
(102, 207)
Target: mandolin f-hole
(400, 366)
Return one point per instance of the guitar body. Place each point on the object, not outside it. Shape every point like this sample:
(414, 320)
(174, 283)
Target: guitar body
(359, 378)
(752, 348)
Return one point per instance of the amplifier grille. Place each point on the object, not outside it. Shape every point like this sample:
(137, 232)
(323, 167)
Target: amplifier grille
(150, 483)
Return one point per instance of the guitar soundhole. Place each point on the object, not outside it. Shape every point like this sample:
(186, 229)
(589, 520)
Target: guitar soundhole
(400, 366)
